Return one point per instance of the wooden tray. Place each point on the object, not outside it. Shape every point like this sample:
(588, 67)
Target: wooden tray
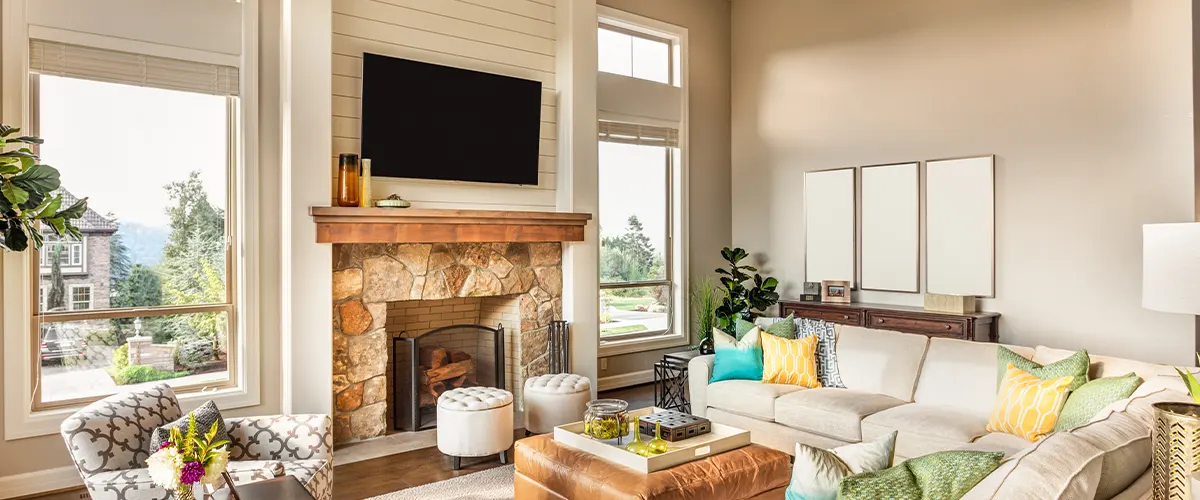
(721, 439)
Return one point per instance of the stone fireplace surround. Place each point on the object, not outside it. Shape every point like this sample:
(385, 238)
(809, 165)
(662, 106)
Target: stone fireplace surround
(367, 277)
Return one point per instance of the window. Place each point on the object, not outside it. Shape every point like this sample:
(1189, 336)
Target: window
(155, 153)
(81, 297)
(629, 53)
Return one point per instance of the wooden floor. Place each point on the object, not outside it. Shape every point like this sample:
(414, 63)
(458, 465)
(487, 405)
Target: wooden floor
(382, 475)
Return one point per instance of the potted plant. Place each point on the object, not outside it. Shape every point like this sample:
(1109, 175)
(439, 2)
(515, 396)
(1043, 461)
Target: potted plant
(704, 307)
(741, 301)
(1175, 438)
(27, 189)
(188, 459)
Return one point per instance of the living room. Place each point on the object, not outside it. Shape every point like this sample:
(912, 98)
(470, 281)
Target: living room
(580, 175)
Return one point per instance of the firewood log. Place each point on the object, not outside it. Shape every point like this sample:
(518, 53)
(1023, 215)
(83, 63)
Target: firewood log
(452, 370)
(457, 355)
(433, 357)
(458, 382)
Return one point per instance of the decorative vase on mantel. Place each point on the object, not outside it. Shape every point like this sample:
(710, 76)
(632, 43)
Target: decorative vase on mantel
(1176, 441)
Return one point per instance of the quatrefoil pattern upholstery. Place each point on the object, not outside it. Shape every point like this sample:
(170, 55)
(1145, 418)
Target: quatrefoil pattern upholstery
(108, 441)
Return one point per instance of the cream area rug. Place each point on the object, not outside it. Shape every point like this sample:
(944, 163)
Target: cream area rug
(491, 484)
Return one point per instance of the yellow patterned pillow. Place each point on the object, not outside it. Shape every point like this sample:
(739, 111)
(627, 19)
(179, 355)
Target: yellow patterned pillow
(1028, 406)
(790, 361)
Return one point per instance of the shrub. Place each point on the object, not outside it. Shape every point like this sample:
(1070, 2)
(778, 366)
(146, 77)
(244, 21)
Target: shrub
(137, 374)
(121, 357)
(193, 352)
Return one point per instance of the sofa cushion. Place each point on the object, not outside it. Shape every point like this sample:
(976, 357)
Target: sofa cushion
(790, 361)
(1003, 442)
(880, 361)
(925, 429)
(836, 413)
(737, 359)
(748, 397)
(1126, 446)
(1076, 366)
(1028, 406)
(1062, 466)
(1104, 366)
(1096, 395)
(961, 374)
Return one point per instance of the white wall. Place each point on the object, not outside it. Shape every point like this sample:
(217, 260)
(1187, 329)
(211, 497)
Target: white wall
(1086, 105)
(508, 37)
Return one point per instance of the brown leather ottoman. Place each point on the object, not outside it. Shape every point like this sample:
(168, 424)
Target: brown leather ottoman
(547, 470)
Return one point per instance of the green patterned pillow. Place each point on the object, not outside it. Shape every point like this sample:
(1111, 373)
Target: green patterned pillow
(1075, 365)
(946, 475)
(1088, 400)
(785, 328)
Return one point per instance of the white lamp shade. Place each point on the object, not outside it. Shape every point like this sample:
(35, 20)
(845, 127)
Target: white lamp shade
(1171, 267)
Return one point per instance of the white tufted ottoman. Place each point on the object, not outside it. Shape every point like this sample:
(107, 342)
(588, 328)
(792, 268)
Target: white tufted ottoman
(475, 422)
(552, 400)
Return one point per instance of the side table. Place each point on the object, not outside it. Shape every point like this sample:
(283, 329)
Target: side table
(671, 382)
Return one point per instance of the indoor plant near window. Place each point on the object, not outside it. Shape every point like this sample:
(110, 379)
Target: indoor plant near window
(741, 301)
(27, 189)
(704, 306)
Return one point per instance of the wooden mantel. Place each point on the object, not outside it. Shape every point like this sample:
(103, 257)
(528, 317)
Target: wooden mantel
(423, 225)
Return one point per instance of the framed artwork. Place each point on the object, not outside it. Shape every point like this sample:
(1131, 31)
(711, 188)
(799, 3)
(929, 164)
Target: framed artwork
(890, 228)
(830, 216)
(835, 291)
(960, 226)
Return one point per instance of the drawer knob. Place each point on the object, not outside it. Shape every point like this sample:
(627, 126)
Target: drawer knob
(947, 327)
(845, 316)
(880, 320)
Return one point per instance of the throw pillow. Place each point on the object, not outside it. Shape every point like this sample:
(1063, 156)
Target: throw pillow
(817, 472)
(741, 327)
(737, 359)
(1085, 402)
(792, 362)
(1075, 365)
(946, 475)
(1028, 406)
(826, 332)
(778, 328)
(206, 414)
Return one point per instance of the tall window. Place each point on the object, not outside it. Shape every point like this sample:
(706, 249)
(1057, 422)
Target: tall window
(636, 286)
(151, 143)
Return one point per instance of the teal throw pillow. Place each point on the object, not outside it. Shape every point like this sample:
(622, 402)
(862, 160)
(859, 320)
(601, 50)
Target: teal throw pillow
(1075, 365)
(1090, 398)
(946, 475)
(737, 359)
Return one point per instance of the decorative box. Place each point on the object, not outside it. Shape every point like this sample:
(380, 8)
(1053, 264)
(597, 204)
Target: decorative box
(676, 426)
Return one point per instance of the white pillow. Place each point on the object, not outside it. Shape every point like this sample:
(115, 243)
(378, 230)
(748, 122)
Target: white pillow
(817, 472)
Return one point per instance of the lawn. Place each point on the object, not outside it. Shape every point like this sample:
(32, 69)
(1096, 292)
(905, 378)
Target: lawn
(628, 303)
(622, 329)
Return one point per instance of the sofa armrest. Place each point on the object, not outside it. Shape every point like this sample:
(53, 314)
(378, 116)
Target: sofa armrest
(699, 371)
(281, 437)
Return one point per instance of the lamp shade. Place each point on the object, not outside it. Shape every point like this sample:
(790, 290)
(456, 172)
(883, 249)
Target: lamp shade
(1171, 267)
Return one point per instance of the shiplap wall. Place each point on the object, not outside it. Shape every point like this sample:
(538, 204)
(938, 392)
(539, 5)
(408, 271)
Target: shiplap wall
(507, 37)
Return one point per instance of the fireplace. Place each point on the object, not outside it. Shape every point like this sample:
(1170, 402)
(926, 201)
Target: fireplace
(430, 363)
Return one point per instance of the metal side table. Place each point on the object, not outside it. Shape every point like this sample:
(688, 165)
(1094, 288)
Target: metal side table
(671, 381)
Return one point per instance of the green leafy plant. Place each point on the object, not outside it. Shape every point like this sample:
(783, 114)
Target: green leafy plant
(743, 301)
(1190, 381)
(120, 357)
(27, 197)
(704, 307)
(137, 374)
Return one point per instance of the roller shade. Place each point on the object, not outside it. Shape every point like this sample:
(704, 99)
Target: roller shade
(60, 59)
(644, 135)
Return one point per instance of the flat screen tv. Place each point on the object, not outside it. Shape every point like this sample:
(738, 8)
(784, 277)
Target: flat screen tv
(425, 121)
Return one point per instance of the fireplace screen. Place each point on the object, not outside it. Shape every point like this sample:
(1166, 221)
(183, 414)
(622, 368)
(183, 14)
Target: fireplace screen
(430, 363)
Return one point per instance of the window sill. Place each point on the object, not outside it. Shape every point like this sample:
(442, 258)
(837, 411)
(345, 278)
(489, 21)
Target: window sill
(47, 423)
(618, 347)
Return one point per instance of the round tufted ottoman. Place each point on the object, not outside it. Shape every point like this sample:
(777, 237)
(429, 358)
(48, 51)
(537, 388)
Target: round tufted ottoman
(552, 400)
(475, 422)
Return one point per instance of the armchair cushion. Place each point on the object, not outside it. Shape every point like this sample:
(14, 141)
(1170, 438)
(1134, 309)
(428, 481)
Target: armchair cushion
(206, 415)
(280, 437)
(114, 433)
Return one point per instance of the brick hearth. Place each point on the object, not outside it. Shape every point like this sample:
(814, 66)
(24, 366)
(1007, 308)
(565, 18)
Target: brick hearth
(367, 277)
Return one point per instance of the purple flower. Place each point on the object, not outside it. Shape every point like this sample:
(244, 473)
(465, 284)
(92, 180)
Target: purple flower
(166, 444)
(192, 473)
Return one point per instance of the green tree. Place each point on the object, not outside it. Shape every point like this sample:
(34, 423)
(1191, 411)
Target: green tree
(142, 287)
(193, 265)
(637, 245)
(119, 261)
(56, 300)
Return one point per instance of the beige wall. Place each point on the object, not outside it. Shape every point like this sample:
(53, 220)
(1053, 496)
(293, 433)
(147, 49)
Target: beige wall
(1086, 105)
(707, 22)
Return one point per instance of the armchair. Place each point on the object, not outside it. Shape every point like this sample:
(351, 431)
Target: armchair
(108, 439)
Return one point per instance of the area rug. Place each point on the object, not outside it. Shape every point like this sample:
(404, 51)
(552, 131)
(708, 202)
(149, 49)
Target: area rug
(491, 484)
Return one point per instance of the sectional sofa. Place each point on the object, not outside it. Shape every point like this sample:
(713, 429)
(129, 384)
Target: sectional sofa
(936, 392)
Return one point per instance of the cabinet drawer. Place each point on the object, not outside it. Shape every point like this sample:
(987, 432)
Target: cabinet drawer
(843, 317)
(886, 321)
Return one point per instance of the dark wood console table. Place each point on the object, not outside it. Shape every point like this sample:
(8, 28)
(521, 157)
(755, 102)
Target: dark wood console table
(980, 326)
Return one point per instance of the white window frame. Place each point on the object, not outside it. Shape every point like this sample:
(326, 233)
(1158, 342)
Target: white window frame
(19, 420)
(679, 312)
(69, 246)
(91, 301)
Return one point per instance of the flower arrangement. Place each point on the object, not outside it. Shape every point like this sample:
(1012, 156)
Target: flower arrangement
(188, 459)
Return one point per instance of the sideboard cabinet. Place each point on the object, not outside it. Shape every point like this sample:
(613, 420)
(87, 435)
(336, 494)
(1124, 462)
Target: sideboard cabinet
(979, 326)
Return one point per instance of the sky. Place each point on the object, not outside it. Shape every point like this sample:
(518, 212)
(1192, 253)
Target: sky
(633, 181)
(119, 145)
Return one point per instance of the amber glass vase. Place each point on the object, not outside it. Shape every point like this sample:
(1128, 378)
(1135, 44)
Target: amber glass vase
(349, 185)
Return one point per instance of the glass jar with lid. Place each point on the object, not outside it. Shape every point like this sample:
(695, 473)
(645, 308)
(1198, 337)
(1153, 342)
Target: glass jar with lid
(606, 419)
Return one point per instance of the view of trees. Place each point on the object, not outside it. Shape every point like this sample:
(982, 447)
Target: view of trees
(630, 257)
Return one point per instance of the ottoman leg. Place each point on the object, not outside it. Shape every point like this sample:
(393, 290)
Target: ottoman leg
(504, 457)
(456, 463)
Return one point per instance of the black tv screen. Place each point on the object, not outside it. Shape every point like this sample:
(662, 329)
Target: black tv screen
(425, 121)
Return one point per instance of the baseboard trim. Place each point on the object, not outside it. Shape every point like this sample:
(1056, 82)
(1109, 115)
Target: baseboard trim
(40, 482)
(625, 380)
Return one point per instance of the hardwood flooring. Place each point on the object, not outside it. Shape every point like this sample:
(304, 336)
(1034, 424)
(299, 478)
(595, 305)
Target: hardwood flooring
(382, 475)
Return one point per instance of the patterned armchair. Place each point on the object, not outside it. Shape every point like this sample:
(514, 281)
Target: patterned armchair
(108, 441)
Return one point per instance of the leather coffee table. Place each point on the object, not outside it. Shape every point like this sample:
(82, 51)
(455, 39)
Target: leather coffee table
(547, 470)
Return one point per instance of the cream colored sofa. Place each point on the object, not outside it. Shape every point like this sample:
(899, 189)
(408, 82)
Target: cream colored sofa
(937, 393)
